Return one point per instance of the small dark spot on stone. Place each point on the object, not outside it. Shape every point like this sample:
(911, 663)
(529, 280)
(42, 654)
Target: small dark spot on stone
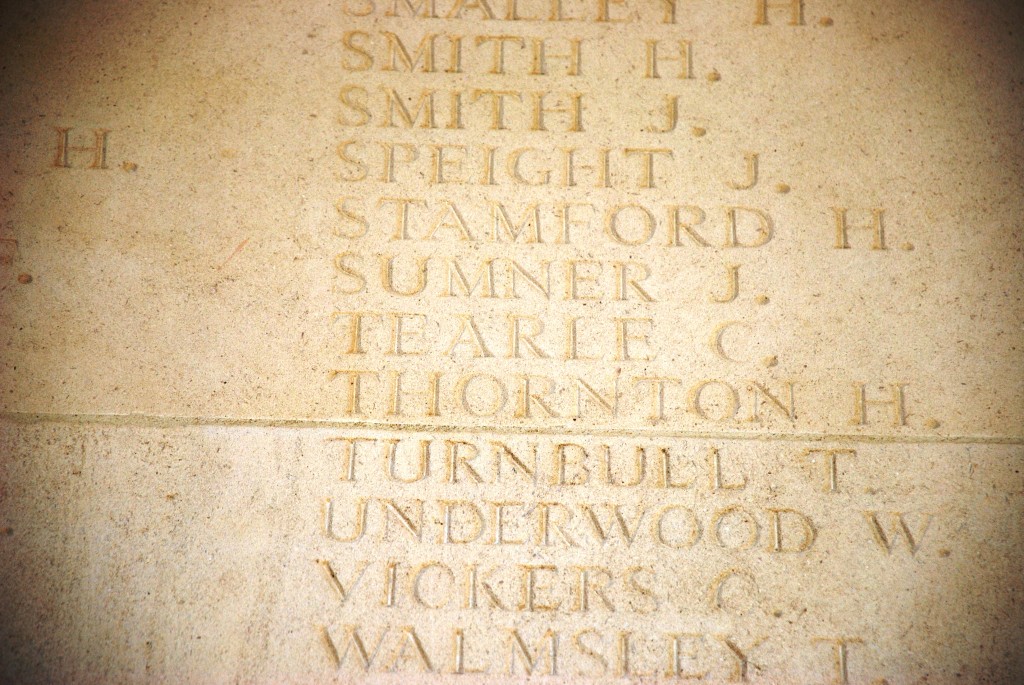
(24, 279)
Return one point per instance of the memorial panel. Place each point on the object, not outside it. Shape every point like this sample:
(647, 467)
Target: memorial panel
(482, 340)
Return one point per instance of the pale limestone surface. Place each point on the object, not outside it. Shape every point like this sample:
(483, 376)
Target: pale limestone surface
(762, 453)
